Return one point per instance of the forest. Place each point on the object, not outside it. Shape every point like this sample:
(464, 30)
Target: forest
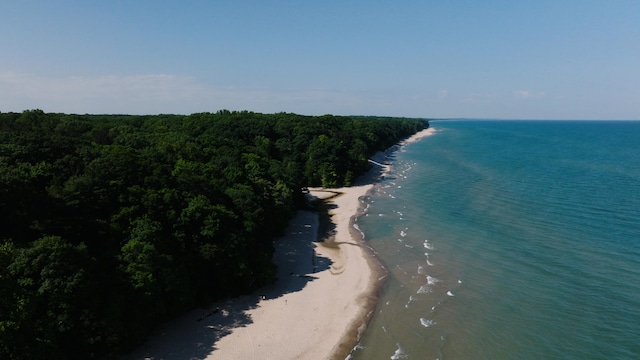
(113, 224)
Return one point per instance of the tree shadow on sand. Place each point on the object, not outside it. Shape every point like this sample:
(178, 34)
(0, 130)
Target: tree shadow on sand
(195, 334)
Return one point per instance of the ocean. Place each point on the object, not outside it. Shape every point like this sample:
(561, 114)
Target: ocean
(508, 240)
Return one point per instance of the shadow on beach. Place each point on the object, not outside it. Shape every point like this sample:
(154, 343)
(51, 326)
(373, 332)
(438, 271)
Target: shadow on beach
(195, 334)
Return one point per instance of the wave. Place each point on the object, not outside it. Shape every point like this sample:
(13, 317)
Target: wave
(431, 280)
(427, 323)
(426, 288)
(399, 353)
(411, 299)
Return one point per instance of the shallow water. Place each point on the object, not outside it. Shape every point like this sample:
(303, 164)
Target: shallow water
(509, 240)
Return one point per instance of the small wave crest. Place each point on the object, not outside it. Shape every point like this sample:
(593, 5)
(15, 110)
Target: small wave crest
(427, 323)
(411, 299)
(399, 353)
(431, 280)
(357, 228)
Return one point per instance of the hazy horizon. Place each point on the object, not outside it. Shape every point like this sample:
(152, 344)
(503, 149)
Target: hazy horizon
(495, 59)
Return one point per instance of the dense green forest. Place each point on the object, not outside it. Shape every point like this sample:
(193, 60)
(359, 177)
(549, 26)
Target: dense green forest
(113, 224)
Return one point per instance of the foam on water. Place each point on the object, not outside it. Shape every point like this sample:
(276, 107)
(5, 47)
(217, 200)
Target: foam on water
(427, 323)
(411, 299)
(399, 353)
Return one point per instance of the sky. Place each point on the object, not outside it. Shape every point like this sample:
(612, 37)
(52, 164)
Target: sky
(516, 59)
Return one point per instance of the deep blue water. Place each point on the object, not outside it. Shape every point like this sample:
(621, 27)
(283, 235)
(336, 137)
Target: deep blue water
(509, 240)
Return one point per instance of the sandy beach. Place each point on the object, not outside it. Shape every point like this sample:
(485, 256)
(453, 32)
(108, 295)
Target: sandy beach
(316, 310)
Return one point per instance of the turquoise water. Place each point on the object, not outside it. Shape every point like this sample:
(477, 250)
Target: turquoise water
(509, 240)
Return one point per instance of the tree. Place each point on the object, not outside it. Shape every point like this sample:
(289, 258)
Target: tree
(114, 223)
(53, 312)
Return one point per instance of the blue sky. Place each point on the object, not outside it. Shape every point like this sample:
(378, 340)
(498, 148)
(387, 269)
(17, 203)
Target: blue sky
(560, 59)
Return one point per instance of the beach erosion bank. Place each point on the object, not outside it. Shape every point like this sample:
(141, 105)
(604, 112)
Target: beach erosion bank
(318, 308)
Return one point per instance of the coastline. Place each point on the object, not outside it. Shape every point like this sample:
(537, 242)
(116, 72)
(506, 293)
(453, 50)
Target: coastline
(320, 305)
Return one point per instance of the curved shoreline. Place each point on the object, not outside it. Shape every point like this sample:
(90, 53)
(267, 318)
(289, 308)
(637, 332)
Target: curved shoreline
(377, 276)
(378, 271)
(320, 305)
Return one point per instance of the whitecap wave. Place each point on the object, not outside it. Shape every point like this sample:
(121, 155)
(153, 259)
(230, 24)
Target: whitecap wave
(399, 353)
(427, 323)
(450, 293)
(427, 245)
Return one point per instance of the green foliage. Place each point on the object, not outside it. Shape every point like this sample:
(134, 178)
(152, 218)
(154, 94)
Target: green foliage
(114, 223)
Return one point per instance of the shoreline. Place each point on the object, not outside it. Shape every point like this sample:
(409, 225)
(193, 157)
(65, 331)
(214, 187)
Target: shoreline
(319, 307)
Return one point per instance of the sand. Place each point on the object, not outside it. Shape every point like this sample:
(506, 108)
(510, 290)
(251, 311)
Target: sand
(317, 309)
(418, 136)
